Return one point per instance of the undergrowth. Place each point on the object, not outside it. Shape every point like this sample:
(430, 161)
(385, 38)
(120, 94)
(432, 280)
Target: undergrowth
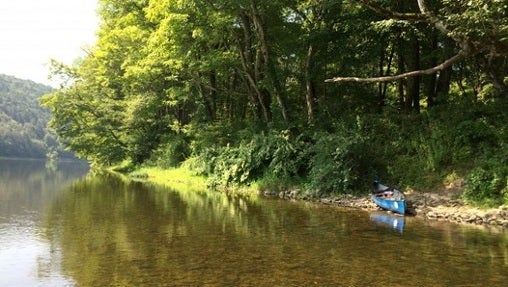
(413, 151)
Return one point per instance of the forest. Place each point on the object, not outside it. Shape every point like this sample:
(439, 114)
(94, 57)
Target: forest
(23, 122)
(322, 95)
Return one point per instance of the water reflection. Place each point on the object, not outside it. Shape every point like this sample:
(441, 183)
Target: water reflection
(113, 233)
(26, 189)
(391, 220)
(26, 184)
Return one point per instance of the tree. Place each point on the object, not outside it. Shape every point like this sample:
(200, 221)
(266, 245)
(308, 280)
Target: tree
(478, 29)
(23, 131)
(89, 113)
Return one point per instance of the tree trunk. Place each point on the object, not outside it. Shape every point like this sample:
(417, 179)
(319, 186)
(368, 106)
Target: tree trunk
(430, 88)
(212, 98)
(445, 76)
(270, 65)
(496, 72)
(380, 95)
(400, 70)
(251, 62)
(413, 93)
(383, 86)
(310, 95)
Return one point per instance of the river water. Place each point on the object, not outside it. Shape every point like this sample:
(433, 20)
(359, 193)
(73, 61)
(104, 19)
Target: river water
(62, 227)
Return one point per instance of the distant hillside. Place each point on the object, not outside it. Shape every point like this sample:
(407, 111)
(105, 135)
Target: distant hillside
(23, 131)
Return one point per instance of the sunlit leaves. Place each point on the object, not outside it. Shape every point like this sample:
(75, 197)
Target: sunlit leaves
(481, 20)
(87, 126)
(160, 68)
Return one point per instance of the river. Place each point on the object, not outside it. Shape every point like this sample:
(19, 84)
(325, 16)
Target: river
(60, 226)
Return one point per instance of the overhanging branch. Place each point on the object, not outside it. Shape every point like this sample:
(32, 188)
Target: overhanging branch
(467, 47)
(460, 56)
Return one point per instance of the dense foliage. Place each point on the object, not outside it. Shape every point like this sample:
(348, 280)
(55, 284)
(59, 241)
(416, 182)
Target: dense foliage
(237, 90)
(23, 122)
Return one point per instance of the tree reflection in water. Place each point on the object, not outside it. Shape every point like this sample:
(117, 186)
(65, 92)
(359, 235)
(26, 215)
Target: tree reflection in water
(112, 232)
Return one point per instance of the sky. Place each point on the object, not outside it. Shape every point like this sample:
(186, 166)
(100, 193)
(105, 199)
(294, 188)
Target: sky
(32, 32)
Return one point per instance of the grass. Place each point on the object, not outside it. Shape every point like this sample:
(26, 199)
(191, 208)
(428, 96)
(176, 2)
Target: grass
(178, 178)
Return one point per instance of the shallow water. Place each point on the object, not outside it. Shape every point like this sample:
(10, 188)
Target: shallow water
(60, 228)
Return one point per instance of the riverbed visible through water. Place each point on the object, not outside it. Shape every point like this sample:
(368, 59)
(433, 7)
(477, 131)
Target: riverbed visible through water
(60, 226)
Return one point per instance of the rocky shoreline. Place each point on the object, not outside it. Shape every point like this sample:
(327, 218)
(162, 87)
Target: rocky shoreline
(437, 206)
(443, 204)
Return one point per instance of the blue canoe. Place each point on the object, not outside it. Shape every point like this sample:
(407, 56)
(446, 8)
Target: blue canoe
(388, 198)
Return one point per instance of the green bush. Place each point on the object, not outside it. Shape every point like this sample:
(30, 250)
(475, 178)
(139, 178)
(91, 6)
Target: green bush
(232, 165)
(274, 154)
(287, 154)
(344, 155)
(341, 162)
(203, 163)
(171, 153)
(487, 184)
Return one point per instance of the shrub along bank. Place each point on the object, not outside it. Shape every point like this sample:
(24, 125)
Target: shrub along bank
(419, 152)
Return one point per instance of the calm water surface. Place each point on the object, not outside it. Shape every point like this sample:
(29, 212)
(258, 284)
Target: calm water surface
(59, 227)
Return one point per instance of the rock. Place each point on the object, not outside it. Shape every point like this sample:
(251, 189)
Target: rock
(471, 219)
(294, 193)
(326, 201)
(268, 193)
(492, 220)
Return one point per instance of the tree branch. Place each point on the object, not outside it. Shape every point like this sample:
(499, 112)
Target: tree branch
(467, 48)
(423, 16)
(460, 56)
(415, 17)
(431, 19)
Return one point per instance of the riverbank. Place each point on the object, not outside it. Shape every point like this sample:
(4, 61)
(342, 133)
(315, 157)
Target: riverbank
(442, 204)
